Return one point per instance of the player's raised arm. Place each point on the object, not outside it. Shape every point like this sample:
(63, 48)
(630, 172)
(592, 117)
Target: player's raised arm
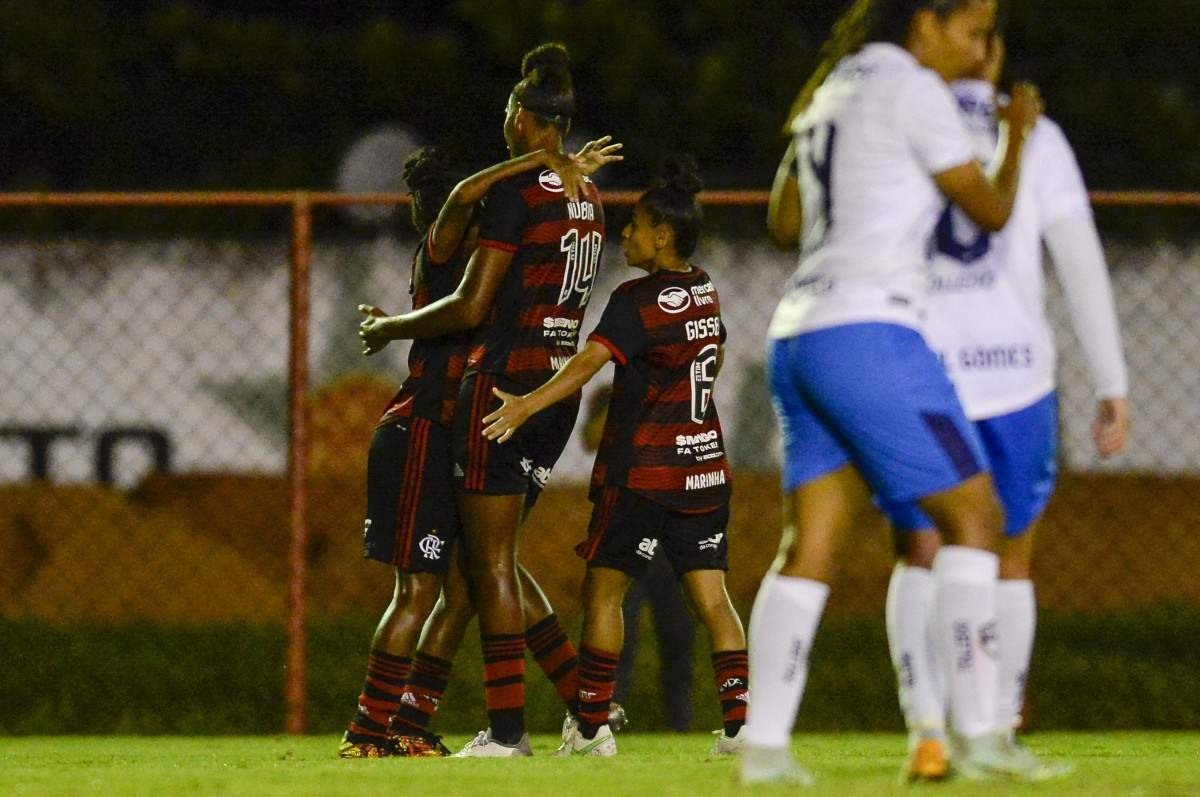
(989, 203)
(455, 215)
(515, 410)
(784, 211)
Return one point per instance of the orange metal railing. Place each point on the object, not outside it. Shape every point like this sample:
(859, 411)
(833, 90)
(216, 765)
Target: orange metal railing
(302, 204)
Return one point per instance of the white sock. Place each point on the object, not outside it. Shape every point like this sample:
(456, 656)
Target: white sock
(1016, 619)
(782, 627)
(964, 630)
(910, 594)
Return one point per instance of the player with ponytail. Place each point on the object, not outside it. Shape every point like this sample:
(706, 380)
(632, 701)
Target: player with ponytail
(661, 481)
(864, 405)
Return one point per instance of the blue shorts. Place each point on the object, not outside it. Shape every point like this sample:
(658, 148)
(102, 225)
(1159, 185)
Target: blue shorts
(876, 396)
(1022, 452)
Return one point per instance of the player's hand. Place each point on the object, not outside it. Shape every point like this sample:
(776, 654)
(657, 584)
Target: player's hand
(568, 171)
(1023, 109)
(508, 418)
(596, 154)
(370, 331)
(1112, 426)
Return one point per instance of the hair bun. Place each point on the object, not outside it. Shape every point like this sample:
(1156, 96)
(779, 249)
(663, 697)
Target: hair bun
(680, 173)
(547, 63)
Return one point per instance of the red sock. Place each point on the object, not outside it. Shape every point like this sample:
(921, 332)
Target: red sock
(422, 693)
(597, 679)
(381, 694)
(731, 674)
(504, 685)
(556, 656)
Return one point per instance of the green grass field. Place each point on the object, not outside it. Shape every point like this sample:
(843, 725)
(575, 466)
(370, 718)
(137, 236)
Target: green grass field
(648, 764)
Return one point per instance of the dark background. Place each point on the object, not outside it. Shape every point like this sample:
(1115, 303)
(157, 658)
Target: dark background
(253, 95)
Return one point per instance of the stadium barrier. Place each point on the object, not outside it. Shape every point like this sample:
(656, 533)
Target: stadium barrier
(169, 431)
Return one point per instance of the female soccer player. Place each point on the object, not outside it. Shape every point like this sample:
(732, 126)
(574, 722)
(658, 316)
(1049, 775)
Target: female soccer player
(525, 288)
(986, 316)
(860, 397)
(661, 477)
(411, 515)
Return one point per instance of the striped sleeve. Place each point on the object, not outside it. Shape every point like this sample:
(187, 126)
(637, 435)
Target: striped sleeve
(621, 330)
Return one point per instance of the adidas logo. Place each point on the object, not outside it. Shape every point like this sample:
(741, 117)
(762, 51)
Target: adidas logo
(458, 471)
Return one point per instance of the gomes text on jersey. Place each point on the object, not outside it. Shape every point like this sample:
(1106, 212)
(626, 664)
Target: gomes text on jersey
(533, 326)
(663, 438)
(435, 366)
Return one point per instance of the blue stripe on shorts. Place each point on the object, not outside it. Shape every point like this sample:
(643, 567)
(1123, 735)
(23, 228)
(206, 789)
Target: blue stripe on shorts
(1022, 451)
(874, 395)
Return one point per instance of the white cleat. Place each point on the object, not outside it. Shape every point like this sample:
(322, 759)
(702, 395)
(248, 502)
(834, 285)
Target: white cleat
(574, 743)
(484, 746)
(728, 745)
(767, 765)
(1029, 766)
(999, 756)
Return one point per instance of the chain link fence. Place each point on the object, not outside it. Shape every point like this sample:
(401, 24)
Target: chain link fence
(144, 498)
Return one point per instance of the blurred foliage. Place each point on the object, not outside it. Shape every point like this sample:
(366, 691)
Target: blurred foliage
(192, 94)
(152, 678)
(257, 94)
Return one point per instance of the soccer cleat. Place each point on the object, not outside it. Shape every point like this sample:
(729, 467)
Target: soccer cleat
(1029, 766)
(927, 759)
(616, 717)
(765, 765)
(998, 756)
(364, 747)
(728, 745)
(616, 720)
(423, 746)
(603, 745)
(484, 746)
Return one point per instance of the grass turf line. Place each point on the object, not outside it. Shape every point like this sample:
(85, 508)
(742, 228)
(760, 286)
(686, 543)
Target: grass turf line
(1158, 763)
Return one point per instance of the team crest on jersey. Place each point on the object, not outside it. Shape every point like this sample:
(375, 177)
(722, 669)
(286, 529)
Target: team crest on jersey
(674, 300)
(431, 547)
(550, 181)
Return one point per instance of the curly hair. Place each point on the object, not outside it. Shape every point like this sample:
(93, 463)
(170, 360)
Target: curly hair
(429, 179)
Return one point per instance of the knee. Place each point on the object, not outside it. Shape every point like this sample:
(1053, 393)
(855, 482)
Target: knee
(418, 591)
(1016, 558)
(602, 596)
(920, 548)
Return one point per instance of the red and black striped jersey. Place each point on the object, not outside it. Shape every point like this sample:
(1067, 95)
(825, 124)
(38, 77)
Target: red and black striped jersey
(663, 438)
(435, 366)
(533, 325)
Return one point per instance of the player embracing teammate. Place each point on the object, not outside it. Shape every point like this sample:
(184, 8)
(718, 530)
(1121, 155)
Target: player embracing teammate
(986, 317)
(864, 404)
(661, 480)
(521, 296)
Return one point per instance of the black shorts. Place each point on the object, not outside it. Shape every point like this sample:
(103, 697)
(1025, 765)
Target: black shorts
(628, 530)
(520, 466)
(412, 520)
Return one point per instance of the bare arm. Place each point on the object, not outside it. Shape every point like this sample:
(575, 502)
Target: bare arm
(456, 213)
(990, 203)
(515, 410)
(784, 212)
(462, 310)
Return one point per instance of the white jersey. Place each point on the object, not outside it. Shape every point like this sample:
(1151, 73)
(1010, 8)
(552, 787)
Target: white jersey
(986, 313)
(878, 129)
